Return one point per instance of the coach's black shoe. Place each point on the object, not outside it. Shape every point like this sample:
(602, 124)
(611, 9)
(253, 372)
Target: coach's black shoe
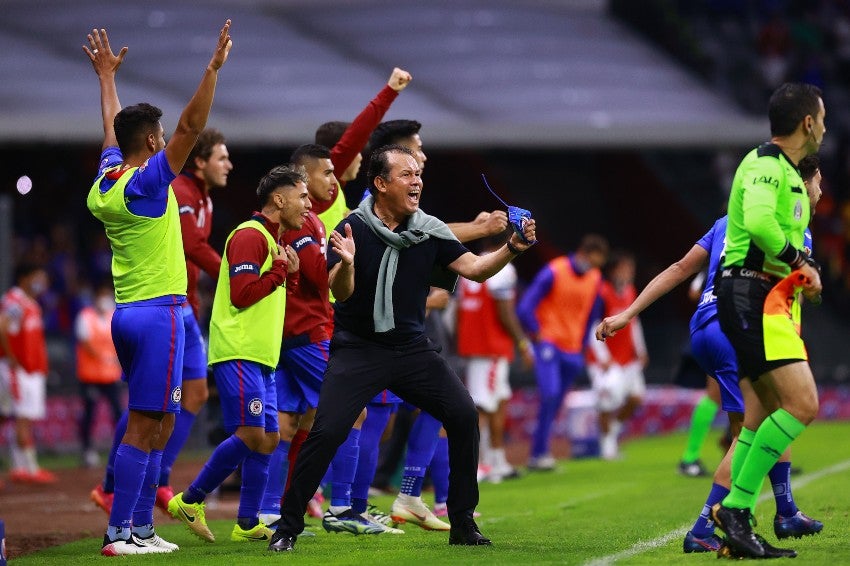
(739, 534)
(466, 532)
(282, 542)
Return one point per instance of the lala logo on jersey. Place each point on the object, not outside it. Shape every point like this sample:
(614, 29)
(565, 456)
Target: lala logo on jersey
(255, 407)
(798, 210)
(176, 395)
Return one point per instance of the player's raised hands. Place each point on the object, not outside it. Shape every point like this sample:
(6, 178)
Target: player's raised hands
(399, 79)
(100, 53)
(222, 49)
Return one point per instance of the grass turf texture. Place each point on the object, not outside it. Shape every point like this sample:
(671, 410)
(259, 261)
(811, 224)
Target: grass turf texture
(633, 511)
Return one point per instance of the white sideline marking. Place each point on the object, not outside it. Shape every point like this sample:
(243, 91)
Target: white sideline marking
(647, 545)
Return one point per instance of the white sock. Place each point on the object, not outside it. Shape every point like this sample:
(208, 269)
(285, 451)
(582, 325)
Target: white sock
(31, 461)
(337, 509)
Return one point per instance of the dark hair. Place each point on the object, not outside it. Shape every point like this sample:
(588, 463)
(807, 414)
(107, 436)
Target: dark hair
(26, 268)
(393, 131)
(617, 257)
(207, 140)
(330, 132)
(379, 164)
(280, 176)
(808, 166)
(133, 124)
(593, 243)
(790, 104)
(309, 151)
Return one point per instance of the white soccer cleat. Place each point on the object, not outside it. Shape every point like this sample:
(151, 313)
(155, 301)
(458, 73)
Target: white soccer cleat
(158, 541)
(127, 547)
(409, 509)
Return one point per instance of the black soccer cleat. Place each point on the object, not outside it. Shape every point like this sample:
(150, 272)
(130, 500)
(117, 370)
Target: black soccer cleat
(467, 533)
(771, 551)
(282, 542)
(740, 538)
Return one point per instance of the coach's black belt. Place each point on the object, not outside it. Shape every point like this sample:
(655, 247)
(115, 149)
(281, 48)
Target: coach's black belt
(748, 274)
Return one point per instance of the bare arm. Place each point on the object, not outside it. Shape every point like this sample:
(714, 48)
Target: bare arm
(480, 268)
(106, 64)
(507, 316)
(662, 284)
(194, 116)
(341, 276)
(485, 224)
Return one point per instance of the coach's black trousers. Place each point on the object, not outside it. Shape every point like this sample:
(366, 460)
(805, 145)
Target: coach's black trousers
(357, 371)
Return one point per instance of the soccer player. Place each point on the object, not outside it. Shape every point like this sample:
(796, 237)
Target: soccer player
(245, 335)
(23, 369)
(487, 332)
(98, 369)
(717, 358)
(133, 199)
(768, 215)
(557, 311)
(207, 168)
(378, 341)
(616, 365)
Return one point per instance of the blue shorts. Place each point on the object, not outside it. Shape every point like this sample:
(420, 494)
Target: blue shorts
(247, 394)
(149, 340)
(716, 357)
(194, 353)
(299, 377)
(386, 397)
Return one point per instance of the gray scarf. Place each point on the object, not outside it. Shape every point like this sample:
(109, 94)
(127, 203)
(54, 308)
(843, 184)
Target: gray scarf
(420, 227)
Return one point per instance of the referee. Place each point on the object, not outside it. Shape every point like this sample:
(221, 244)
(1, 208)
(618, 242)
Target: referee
(765, 267)
(379, 337)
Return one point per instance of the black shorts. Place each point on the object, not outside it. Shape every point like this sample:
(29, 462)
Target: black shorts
(763, 341)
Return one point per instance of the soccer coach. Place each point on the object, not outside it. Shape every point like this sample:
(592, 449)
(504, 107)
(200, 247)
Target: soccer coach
(379, 337)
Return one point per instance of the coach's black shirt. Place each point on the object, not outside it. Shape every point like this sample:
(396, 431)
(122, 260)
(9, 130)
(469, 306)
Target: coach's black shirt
(410, 289)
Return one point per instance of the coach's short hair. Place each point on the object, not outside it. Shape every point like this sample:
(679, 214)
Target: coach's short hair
(393, 131)
(280, 176)
(309, 151)
(790, 104)
(379, 163)
(808, 166)
(26, 268)
(330, 132)
(207, 140)
(133, 124)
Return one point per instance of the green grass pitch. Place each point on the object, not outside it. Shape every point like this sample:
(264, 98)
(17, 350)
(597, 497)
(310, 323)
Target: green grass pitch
(633, 511)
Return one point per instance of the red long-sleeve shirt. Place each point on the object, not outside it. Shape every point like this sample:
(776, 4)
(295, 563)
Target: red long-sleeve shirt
(308, 311)
(246, 252)
(195, 208)
(355, 138)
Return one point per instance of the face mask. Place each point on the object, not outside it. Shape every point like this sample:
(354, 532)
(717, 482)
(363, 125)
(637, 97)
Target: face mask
(104, 304)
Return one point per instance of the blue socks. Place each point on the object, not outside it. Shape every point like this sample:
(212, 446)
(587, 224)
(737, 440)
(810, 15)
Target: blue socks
(377, 417)
(143, 513)
(278, 470)
(254, 477)
(704, 526)
(343, 467)
(780, 479)
(440, 470)
(420, 451)
(120, 429)
(224, 460)
(182, 427)
(130, 468)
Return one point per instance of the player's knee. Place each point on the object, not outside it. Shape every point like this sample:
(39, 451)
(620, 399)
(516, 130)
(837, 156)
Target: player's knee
(252, 436)
(195, 395)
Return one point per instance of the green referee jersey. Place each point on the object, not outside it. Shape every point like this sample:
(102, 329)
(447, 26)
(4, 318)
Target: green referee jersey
(768, 212)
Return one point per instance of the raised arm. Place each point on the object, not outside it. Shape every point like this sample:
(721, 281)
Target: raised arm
(663, 283)
(485, 224)
(106, 64)
(480, 268)
(194, 116)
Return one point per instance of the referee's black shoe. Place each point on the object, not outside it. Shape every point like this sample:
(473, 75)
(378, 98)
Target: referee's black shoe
(770, 551)
(739, 534)
(466, 532)
(282, 542)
